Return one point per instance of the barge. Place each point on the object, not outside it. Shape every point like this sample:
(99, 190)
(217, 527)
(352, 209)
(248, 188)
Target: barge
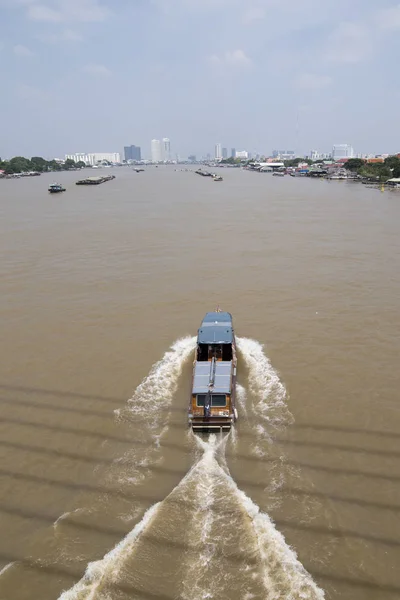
(212, 401)
(95, 180)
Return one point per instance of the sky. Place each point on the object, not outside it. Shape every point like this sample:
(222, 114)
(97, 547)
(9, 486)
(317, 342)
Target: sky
(257, 75)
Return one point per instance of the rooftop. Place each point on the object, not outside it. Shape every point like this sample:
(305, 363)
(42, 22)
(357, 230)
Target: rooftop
(222, 380)
(216, 328)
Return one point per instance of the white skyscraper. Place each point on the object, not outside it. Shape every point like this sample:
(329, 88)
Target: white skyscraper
(218, 151)
(156, 154)
(342, 151)
(166, 149)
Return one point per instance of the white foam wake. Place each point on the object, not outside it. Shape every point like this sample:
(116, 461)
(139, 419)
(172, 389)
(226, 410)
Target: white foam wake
(268, 394)
(157, 390)
(241, 397)
(223, 525)
(106, 571)
(148, 411)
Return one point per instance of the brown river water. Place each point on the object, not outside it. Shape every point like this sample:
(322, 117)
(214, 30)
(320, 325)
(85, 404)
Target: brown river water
(104, 494)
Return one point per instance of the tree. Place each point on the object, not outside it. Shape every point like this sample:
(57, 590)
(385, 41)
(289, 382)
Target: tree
(19, 164)
(294, 162)
(354, 164)
(393, 162)
(80, 164)
(376, 171)
(39, 164)
(69, 164)
(54, 166)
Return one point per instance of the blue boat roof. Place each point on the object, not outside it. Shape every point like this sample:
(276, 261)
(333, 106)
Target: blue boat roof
(216, 328)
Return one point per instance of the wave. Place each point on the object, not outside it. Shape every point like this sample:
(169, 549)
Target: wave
(230, 543)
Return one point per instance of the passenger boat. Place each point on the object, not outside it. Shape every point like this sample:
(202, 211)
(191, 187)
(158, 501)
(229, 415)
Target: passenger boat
(56, 188)
(218, 178)
(212, 401)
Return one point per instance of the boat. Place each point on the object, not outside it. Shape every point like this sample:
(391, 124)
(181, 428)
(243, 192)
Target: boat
(212, 400)
(95, 180)
(218, 178)
(56, 188)
(278, 174)
(140, 170)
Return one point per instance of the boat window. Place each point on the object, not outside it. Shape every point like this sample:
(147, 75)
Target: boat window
(219, 400)
(216, 400)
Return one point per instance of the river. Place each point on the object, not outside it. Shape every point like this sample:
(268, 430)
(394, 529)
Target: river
(104, 494)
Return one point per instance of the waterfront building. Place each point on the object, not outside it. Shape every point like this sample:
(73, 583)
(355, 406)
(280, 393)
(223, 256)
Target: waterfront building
(166, 149)
(224, 153)
(243, 154)
(156, 154)
(218, 151)
(342, 151)
(95, 157)
(132, 153)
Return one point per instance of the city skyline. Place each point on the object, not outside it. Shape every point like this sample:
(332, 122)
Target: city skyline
(318, 64)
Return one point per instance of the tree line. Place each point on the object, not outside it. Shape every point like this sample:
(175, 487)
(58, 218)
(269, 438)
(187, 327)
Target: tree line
(20, 164)
(381, 171)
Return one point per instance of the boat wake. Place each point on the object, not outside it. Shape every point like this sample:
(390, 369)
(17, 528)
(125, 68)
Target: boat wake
(268, 408)
(207, 537)
(148, 411)
(228, 544)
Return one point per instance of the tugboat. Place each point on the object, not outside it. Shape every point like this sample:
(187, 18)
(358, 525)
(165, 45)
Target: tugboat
(56, 188)
(212, 401)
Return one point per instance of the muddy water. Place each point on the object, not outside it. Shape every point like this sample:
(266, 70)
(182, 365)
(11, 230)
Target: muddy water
(103, 492)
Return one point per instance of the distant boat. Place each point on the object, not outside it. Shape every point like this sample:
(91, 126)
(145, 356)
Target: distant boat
(140, 170)
(218, 178)
(278, 174)
(56, 188)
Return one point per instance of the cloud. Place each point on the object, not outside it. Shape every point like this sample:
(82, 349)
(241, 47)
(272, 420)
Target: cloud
(312, 81)
(31, 93)
(58, 11)
(236, 58)
(389, 18)
(97, 70)
(256, 13)
(22, 51)
(349, 43)
(64, 36)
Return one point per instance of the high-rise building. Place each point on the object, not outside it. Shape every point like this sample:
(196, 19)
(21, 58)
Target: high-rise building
(233, 153)
(166, 149)
(342, 151)
(132, 153)
(156, 154)
(242, 154)
(218, 151)
(283, 154)
(224, 152)
(315, 155)
(192, 158)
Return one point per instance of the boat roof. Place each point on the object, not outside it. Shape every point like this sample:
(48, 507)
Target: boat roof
(222, 378)
(216, 328)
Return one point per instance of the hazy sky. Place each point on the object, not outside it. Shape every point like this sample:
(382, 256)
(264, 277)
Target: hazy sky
(95, 75)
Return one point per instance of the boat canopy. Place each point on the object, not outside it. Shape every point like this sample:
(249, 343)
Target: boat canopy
(216, 328)
(203, 375)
